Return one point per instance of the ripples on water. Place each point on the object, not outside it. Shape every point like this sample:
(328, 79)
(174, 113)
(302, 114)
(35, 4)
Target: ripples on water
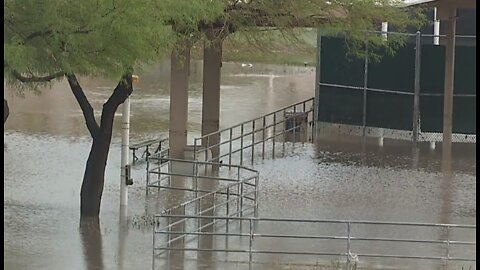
(45, 153)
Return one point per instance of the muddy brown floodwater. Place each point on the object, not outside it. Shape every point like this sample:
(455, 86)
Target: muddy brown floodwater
(46, 145)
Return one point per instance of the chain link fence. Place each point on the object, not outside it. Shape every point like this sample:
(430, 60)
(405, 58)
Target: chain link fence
(399, 97)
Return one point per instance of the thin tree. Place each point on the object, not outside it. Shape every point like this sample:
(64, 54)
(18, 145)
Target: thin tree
(52, 40)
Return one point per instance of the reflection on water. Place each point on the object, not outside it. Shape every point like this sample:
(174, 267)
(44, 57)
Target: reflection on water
(92, 243)
(47, 144)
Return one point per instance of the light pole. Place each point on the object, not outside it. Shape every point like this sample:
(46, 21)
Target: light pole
(125, 180)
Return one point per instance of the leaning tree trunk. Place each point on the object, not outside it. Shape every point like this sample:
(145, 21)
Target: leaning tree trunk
(94, 177)
(6, 111)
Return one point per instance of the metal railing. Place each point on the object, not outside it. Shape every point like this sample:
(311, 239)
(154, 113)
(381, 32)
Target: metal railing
(158, 145)
(238, 196)
(170, 170)
(221, 209)
(443, 242)
(294, 123)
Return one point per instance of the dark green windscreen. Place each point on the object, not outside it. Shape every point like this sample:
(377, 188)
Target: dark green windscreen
(396, 73)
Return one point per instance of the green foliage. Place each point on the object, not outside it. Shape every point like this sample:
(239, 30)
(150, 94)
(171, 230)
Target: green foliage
(93, 37)
(287, 22)
(104, 38)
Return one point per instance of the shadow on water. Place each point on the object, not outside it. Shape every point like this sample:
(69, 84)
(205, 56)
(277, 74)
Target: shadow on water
(91, 237)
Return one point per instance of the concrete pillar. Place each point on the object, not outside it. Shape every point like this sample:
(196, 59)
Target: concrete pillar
(180, 62)
(212, 62)
(449, 81)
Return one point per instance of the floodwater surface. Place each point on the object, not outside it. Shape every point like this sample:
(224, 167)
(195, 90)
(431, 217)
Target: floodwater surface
(46, 145)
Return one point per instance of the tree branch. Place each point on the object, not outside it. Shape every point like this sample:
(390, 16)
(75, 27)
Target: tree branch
(82, 100)
(49, 32)
(46, 78)
(119, 95)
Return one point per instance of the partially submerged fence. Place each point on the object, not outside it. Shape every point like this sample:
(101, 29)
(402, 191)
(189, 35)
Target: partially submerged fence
(219, 213)
(402, 240)
(236, 195)
(148, 148)
(400, 97)
(263, 136)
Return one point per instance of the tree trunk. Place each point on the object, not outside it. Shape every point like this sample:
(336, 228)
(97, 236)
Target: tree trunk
(6, 111)
(91, 237)
(94, 177)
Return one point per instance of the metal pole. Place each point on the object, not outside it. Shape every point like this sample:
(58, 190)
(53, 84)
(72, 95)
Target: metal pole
(241, 199)
(447, 255)
(365, 85)
(284, 132)
(250, 244)
(274, 134)
(148, 175)
(206, 152)
(124, 153)
(230, 148)
(256, 196)
(238, 193)
(384, 30)
(263, 139)
(449, 83)
(294, 126)
(348, 245)
(416, 97)
(228, 208)
(195, 150)
(253, 140)
(436, 28)
(153, 249)
(317, 77)
(241, 145)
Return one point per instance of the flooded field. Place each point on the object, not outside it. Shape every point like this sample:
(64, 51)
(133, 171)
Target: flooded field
(46, 145)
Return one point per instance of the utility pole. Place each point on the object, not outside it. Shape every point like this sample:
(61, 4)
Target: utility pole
(125, 180)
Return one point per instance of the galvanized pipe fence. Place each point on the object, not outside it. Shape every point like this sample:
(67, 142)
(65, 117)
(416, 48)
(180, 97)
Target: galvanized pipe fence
(222, 206)
(150, 147)
(254, 138)
(341, 244)
(236, 196)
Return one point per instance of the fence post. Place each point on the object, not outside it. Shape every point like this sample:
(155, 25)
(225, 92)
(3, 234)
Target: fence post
(195, 149)
(447, 255)
(228, 209)
(230, 149)
(250, 245)
(274, 131)
(238, 192)
(253, 140)
(241, 145)
(263, 138)
(148, 176)
(416, 97)
(348, 245)
(365, 85)
(294, 126)
(153, 251)
(255, 213)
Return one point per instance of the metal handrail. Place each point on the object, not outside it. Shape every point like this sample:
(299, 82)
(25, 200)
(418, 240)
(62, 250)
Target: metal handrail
(259, 126)
(341, 221)
(348, 237)
(234, 194)
(255, 119)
